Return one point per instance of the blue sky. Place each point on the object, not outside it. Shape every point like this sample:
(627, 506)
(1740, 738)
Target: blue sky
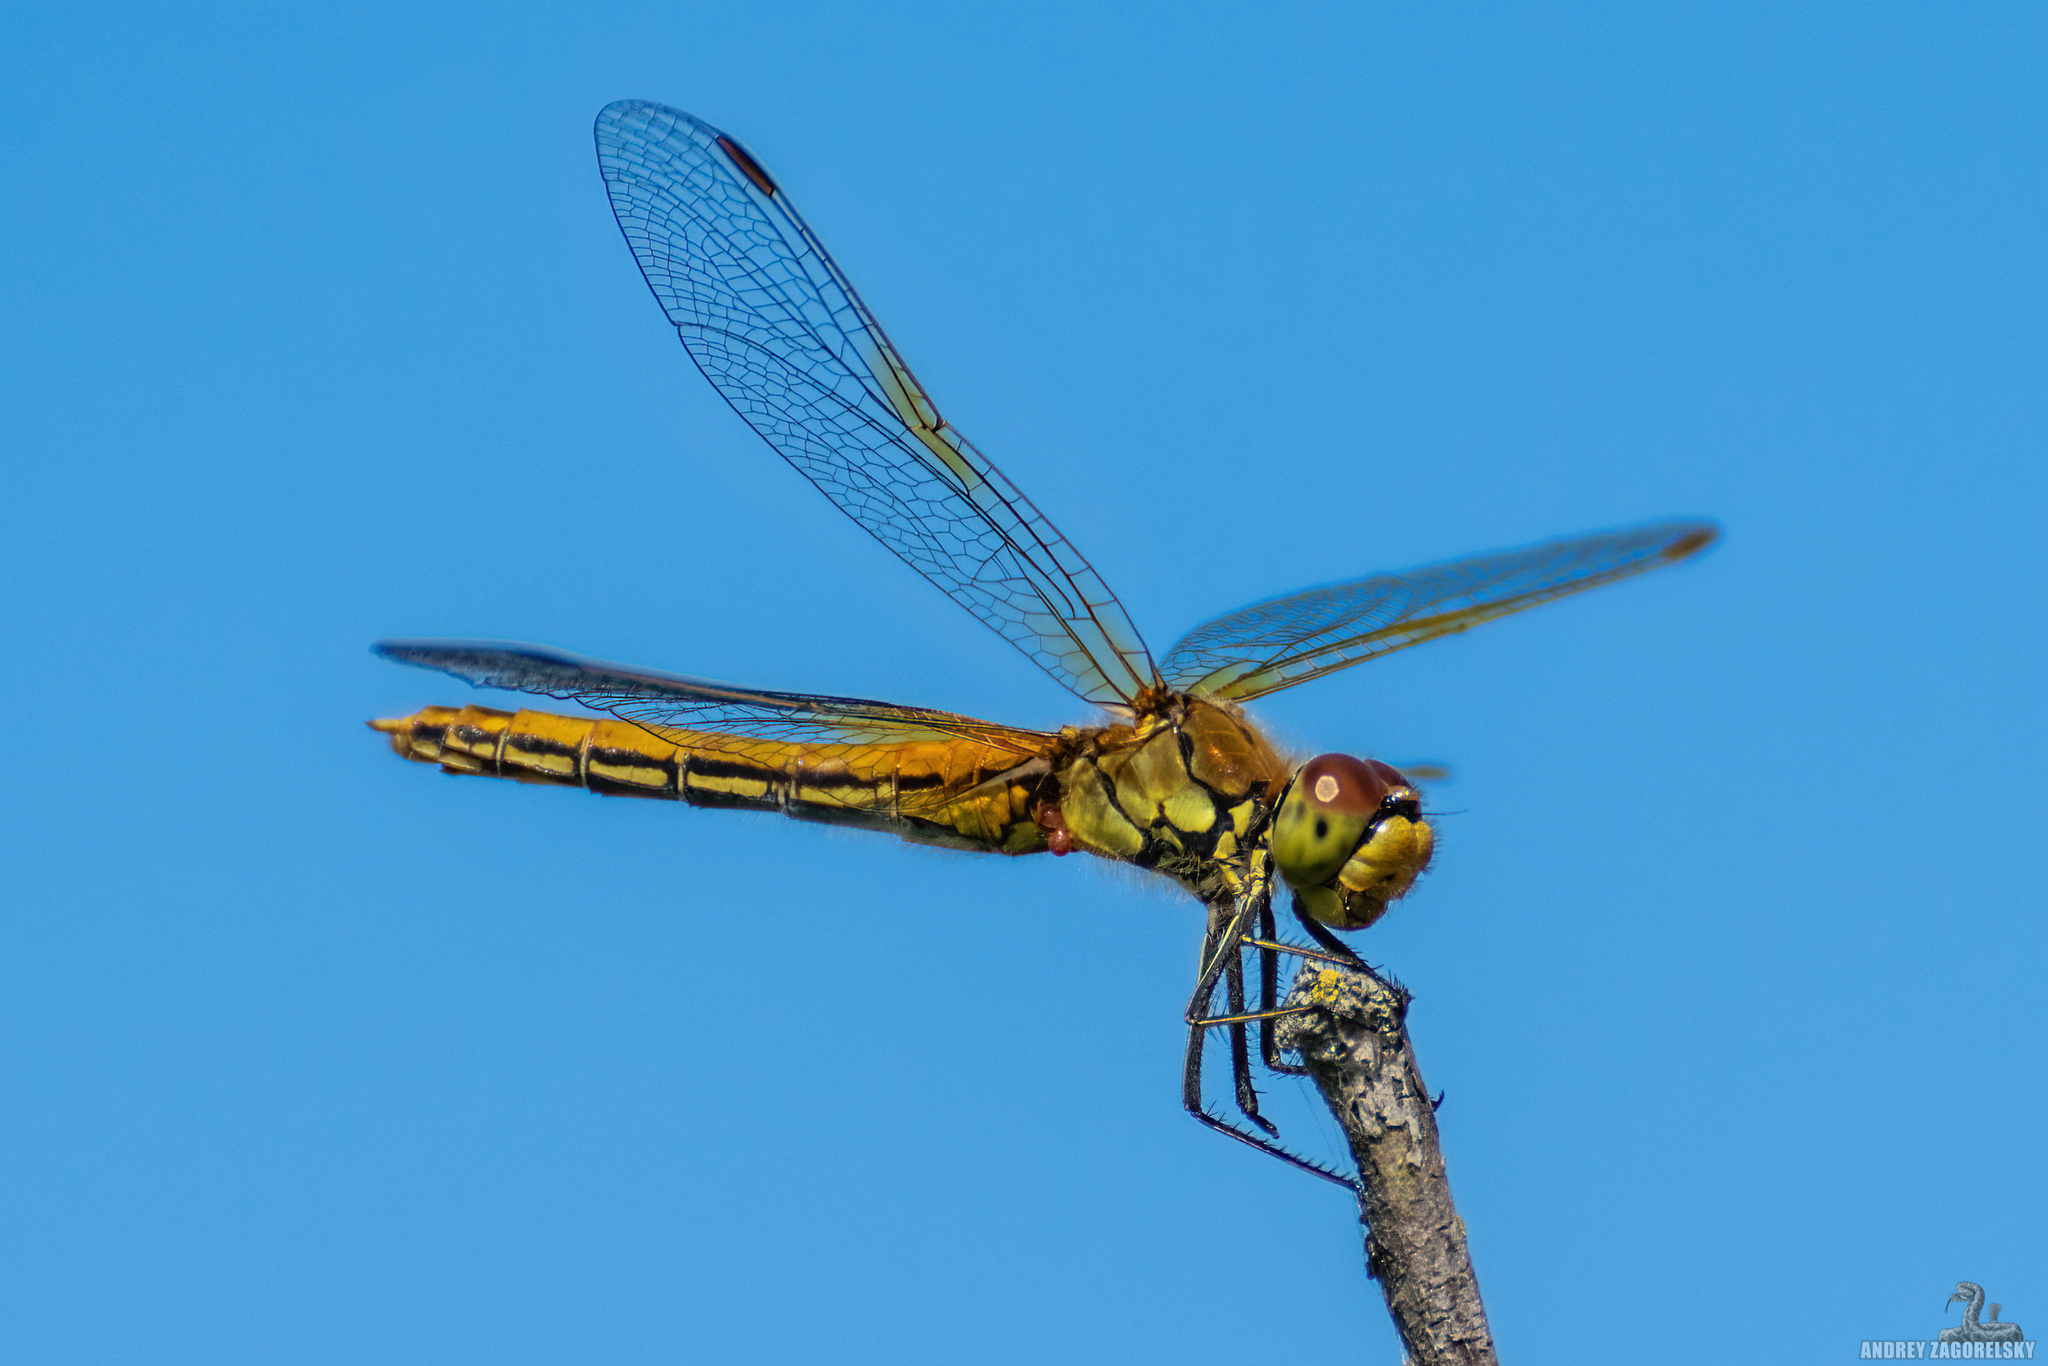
(318, 331)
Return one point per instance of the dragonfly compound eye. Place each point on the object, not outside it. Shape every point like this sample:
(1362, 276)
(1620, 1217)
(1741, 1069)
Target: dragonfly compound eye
(1354, 823)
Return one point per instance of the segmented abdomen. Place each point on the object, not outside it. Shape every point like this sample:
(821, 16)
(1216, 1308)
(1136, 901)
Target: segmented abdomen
(956, 793)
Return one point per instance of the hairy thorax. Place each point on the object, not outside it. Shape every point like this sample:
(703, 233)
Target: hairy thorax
(1175, 790)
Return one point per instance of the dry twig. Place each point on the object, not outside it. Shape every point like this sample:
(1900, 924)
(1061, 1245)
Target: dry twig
(1355, 1045)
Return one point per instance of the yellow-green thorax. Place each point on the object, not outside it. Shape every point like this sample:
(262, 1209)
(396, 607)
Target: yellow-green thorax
(1187, 787)
(1176, 790)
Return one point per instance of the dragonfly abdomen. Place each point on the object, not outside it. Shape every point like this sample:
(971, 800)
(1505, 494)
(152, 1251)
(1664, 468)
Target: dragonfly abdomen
(934, 793)
(539, 747)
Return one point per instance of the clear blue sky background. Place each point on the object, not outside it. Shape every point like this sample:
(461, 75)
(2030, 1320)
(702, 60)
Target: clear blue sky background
(317, 330)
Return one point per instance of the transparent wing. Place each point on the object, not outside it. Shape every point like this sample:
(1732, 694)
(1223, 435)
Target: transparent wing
(660, 702)
(776, 327)
(1290, 640)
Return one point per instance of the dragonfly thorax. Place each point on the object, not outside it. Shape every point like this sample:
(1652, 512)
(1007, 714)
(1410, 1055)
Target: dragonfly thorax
(1187, 789)
(1182, 789)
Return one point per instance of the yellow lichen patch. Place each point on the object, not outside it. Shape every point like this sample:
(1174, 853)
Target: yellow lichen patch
(1092, 818)
(1327, 990)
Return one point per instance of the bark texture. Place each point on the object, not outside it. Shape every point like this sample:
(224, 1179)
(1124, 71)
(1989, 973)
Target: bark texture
(1355, 1045)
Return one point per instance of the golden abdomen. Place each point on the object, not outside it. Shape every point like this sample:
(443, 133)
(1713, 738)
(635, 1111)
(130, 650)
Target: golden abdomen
(936, 792)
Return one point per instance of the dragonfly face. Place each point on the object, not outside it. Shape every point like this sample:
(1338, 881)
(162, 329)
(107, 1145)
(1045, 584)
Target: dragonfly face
(1180, 781)
(1349, 838)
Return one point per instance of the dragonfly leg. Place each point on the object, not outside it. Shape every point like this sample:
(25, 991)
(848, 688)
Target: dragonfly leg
(1191, 1097)
(1240, 1053)
(1269, 992)
(1222, 957)
(1222, 953)
(1337, 947)
(1298, 950)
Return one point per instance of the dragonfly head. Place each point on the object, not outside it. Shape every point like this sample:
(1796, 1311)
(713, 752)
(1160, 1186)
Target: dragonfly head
(1349, 838)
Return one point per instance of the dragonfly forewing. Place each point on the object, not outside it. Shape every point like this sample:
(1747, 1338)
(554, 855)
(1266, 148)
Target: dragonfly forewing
(658, 700)
(777, 328)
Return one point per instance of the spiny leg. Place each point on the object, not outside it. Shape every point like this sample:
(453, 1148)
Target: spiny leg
(1240, 1053)
(1191, 1097)
(1269, 992)
(1221, 955)
(1222, 945)
(1336, 946)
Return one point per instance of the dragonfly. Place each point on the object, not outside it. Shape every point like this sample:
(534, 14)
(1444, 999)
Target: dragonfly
(1172, 776)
